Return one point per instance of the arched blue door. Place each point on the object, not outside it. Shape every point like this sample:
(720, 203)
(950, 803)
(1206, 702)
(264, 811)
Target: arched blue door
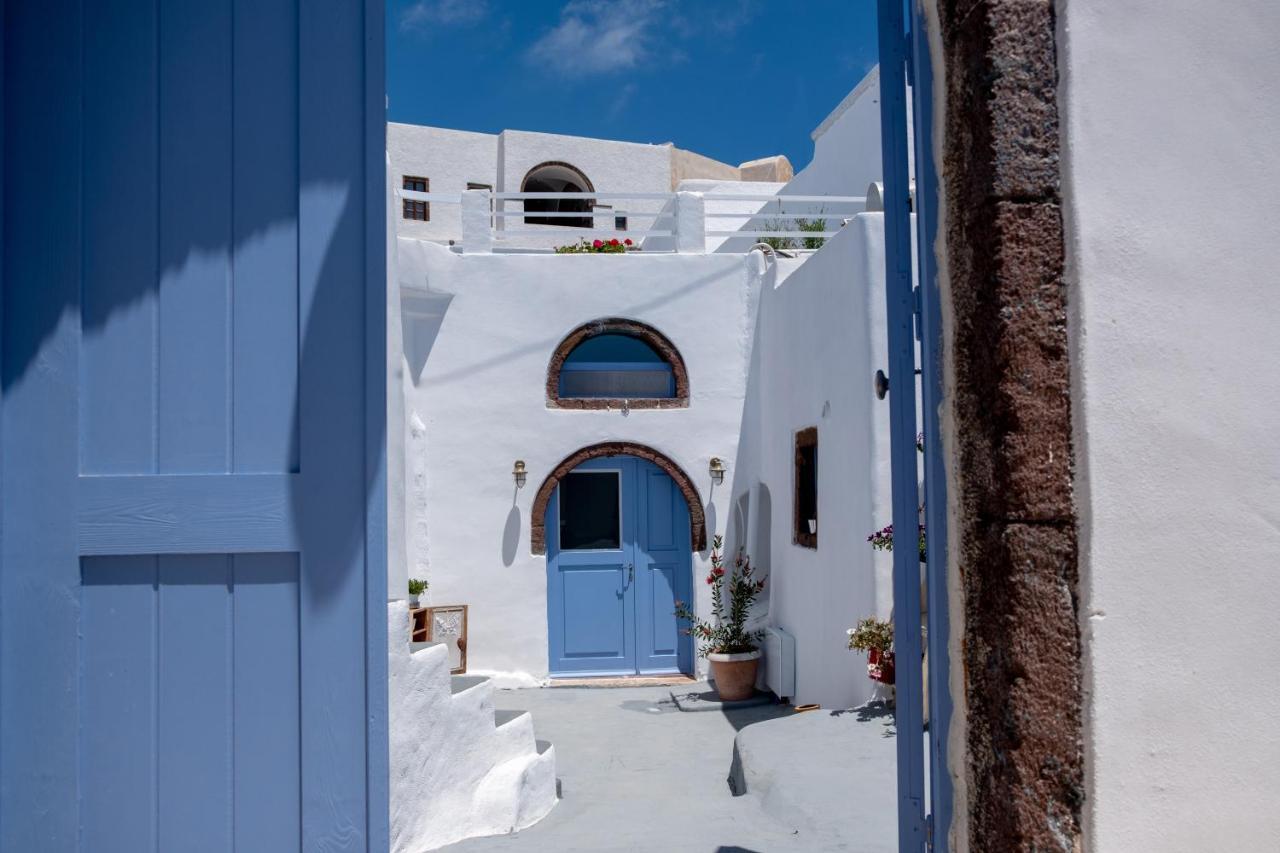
(618, 558)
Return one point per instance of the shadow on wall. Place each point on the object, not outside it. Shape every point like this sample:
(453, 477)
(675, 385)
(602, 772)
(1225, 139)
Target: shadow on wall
(511, 535)
(283, 233)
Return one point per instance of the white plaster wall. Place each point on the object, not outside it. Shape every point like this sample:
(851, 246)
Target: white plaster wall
(479, 332)
(612, 167)
(820, 337)
(449, 159)
(1170, 182)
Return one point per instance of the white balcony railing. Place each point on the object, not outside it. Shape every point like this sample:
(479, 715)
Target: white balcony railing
(676, 221)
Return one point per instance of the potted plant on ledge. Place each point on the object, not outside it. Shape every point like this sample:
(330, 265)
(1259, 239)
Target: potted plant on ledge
(876, 639)
(734, 652)
(416, 589)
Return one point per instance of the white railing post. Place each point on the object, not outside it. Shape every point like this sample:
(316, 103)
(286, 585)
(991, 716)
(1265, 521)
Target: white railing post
(477, 231)
(691, 223)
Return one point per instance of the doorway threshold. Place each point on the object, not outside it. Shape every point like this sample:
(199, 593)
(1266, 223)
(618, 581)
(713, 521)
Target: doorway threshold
(675, 680)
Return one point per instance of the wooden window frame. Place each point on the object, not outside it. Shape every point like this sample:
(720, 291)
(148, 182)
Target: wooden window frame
(410, 208)
(800, 533)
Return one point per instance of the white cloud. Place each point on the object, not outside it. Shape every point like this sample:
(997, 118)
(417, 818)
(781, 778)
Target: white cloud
(426, 15)
(599, 36)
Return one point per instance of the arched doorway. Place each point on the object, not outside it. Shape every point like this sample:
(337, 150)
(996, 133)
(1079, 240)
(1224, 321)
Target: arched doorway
(556, 177)
(619, 555)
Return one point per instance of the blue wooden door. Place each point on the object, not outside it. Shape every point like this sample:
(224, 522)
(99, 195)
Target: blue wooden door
(192, 592)
(617, 561)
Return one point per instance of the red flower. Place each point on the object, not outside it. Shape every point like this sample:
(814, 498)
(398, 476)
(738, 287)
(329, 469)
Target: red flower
(718, 572)
(711, 579)
(627, 241)
(597, 244)
(613, 242)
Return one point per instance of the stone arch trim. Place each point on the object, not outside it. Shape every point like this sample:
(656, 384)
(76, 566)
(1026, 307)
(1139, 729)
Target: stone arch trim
(660, 343)
(562, 164)
(538, 519)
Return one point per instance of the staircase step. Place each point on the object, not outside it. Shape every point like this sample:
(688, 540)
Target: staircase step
(501, 718)
(460, 683)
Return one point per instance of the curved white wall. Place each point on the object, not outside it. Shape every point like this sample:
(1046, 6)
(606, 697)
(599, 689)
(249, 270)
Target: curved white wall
(1170, 117)
(479, 331)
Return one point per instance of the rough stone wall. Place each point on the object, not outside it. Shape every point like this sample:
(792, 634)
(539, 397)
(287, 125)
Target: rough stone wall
(1017, 545)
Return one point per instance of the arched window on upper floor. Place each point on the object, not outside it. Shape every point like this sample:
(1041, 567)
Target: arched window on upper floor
(611, 363)
(557, 177)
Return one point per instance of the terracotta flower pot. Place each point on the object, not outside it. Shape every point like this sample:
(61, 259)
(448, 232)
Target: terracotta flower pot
(734, 675)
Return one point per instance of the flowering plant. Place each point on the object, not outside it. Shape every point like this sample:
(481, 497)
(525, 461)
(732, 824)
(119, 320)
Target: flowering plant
(871, 633)
(721, 635)
(882, 540)
(597, 247)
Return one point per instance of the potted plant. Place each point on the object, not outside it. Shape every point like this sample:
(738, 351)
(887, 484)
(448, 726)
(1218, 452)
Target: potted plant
(876, 639)
(416, 588)
(734, 652)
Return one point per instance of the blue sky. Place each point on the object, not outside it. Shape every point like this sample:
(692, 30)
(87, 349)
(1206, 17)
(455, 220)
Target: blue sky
(732, 79)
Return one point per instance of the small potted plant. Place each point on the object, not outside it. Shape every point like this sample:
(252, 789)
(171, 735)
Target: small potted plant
(876, 639)
(416, 588)
(734, 652)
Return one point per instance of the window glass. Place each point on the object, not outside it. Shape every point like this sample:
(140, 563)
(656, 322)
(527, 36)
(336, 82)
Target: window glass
(616, 367)
(806, 483)
(589, 511)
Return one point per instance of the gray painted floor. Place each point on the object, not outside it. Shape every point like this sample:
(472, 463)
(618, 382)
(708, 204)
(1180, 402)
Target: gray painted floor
(638, 775)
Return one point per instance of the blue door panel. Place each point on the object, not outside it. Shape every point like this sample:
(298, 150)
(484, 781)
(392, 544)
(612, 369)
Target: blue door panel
(190, 695)
(612, 612)
(595, 596)
(192, 364)
(119, 701)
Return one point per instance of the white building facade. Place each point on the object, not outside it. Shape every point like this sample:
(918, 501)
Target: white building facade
(762, 348)
(448, 162)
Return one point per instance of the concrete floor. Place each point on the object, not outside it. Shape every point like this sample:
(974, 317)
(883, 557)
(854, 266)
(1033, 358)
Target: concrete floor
(639, 775)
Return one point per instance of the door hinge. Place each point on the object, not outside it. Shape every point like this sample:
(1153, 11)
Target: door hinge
(928, 832)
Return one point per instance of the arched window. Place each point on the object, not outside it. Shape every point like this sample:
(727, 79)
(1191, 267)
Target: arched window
(556, 177)
(613, 362)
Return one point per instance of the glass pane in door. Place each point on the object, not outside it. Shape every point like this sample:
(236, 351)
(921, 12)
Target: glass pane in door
(590, 509)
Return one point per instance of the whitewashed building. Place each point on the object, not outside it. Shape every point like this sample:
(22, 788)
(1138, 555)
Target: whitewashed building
(446, 163)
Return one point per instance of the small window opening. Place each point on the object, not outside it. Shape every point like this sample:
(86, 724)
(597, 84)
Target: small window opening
(616, 366)
(419, 210)
(806, 483)
(557, 178)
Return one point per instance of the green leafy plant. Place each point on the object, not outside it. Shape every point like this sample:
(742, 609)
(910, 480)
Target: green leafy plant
(726, 634)
(779, 242)
(871, 633)
(417, 587)
(598, 247)
(819, 225)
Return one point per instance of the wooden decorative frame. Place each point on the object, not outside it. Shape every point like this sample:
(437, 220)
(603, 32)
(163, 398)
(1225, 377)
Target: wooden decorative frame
(450, 616)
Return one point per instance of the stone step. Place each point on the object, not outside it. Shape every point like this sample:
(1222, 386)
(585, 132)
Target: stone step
(461, 683)
(501, 718)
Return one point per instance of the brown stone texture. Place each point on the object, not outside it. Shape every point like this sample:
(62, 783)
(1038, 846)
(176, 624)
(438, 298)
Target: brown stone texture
(697, 515)
(616, 325)
(1017, 542)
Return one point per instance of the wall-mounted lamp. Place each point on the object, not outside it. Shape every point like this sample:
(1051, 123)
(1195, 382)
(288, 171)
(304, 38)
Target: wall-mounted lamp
(520, 473)
(717, 470)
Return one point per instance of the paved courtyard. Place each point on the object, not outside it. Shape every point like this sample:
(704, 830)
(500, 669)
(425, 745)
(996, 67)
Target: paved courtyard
(637, 774)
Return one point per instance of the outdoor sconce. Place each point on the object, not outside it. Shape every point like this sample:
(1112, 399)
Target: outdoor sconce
(520, 473)
(717, 470)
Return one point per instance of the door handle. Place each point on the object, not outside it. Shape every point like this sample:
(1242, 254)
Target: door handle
(631, 573)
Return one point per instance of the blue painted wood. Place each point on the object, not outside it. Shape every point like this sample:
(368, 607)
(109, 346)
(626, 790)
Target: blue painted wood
(941, 793)
(192, 365)
(611, 612)
(119, 698)
(265, 666)
(187, 513)
(664, 572)
(902, 424)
